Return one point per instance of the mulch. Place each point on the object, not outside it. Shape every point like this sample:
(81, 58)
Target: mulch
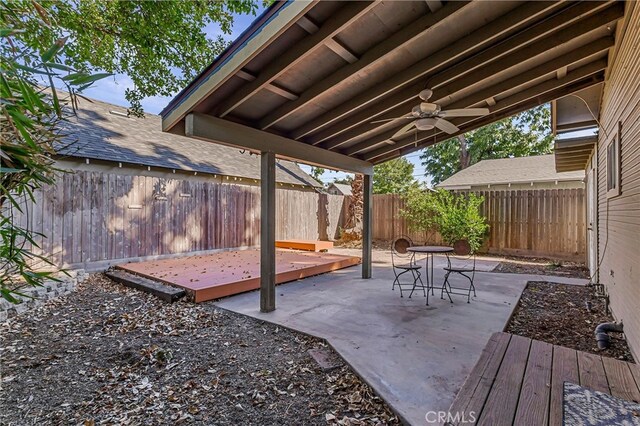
(558, 314)
(543, 267)
(106, 354)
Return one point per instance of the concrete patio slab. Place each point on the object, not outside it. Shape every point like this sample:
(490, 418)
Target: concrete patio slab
(416, 357)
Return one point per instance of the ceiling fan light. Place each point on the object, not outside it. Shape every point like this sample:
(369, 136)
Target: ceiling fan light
(425, 123)
(425, 94)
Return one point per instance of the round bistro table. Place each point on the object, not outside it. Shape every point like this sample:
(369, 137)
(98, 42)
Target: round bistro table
(430, 251)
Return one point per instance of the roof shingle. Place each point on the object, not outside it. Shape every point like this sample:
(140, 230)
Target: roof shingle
(102, 131)
(539, 168)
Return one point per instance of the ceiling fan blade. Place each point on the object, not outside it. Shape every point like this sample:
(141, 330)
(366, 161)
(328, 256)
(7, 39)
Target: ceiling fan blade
(403, 130)
(464, 112)
(392, 119)
(446, 126)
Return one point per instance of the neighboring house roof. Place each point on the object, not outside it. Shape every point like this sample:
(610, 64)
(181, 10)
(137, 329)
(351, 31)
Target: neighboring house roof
(102, 131)
(343, 188)
(540, 168)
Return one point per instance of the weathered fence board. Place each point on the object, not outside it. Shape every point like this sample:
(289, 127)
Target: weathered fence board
(92, 217)
(545, 223)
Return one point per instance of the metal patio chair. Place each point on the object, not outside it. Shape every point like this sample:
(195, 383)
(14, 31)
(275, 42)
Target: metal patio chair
(404, 262)
(465, 266)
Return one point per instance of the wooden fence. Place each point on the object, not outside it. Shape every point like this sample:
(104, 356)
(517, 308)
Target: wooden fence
(94, 217)
(545, 223)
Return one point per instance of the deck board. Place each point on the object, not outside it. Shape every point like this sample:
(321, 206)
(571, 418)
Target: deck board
(222, 274)
(592, 374)
(520, 381)
(502, 401)
(473, 394)
(621, 381)
(308, 245)
(533, 406)
(565, 369)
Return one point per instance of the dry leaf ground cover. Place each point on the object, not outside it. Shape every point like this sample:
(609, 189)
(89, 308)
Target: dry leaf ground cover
(110, 355)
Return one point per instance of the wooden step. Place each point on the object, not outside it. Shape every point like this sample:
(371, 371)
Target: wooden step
(308, 245)
(162, 291)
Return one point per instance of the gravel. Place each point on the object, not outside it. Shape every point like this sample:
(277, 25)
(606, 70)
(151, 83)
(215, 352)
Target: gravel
(111, 355)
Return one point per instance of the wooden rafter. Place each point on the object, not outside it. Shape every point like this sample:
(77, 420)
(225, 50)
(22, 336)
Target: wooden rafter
(397, 40)
(474, 42)
(341, 50)
(423, 142)
(339, 21)
(496, 89)
(509, 102)
(487, 68)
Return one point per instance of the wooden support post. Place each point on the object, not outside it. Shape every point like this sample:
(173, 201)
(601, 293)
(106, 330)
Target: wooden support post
(367, 213)
(267, 232)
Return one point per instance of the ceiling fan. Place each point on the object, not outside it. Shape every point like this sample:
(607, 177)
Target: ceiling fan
(427, 116)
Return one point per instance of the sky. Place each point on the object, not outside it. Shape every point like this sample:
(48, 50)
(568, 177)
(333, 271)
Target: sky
(112, 90)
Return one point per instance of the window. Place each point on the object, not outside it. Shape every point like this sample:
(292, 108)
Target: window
(613, 166)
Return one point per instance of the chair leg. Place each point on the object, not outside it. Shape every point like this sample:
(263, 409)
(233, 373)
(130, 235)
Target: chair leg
(415, 280)
(397, 281)
(444, 288)
(471, 287)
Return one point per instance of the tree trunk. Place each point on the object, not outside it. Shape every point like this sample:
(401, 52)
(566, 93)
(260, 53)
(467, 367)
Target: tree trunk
(465, 159)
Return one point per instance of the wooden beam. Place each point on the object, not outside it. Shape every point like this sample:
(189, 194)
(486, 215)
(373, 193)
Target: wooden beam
(564, 26)
(282, 92)
(576, 142)
(287, 13)
(576, 126)
(474, 42)
(408, 33)
(584, 149)
(367, 215)
(334, 136)
(308, 25)
(213, 129)
(340, 50)
(543, 45)
(267, 231)
(338, 22)
(472, 99)
(434, 5)
(245, 75)
(507, 104)
(432, 139)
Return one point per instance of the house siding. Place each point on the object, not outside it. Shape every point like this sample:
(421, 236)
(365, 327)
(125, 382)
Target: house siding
(619, 217)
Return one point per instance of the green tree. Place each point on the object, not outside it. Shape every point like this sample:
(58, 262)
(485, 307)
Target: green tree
(393, 177)
(344, 180)
(54, 44)
(528, 133)
(316, 172)
(160, 45)
(455, 216)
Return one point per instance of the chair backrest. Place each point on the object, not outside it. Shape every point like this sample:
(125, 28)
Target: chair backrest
(463, 261)
(399, 248)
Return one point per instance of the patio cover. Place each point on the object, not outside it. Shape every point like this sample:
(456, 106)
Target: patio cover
(308, 81)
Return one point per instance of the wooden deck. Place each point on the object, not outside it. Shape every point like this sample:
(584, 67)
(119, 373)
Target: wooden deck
(213, 276)
(307, 245)
(520, 381)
